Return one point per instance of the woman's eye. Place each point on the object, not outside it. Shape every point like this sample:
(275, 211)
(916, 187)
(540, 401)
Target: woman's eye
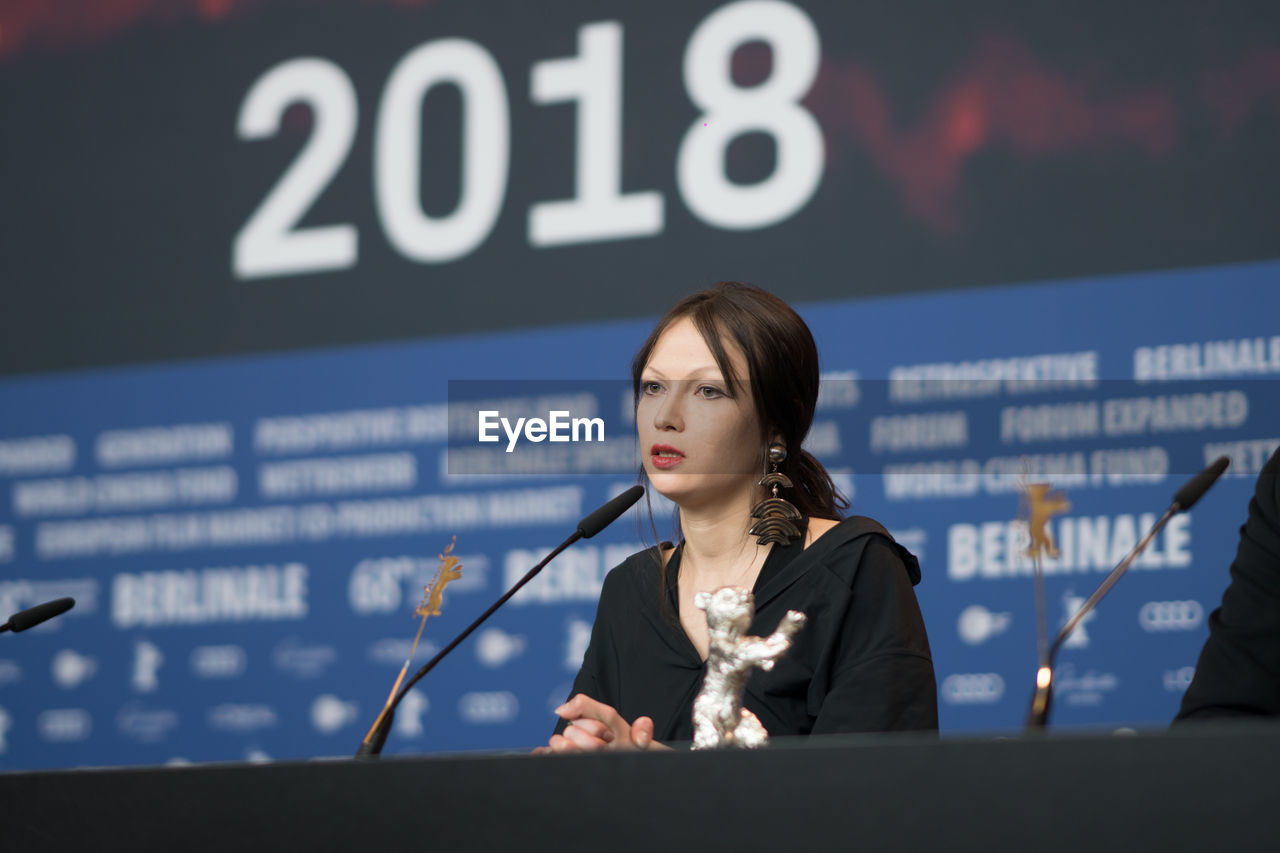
(651, 388)
(709, 392)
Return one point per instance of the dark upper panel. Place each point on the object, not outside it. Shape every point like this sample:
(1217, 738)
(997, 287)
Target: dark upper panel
(820, 149)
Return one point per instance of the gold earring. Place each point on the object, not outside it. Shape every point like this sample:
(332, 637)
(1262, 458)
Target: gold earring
(777, 515)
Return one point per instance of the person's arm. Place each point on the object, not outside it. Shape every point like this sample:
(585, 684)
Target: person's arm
(881, 675)
(588, 720)
(1238, 673)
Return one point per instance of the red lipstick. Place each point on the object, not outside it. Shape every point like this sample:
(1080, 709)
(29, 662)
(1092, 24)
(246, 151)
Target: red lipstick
(665, 456)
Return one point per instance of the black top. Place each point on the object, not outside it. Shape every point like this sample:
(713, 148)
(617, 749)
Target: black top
(861, 662)
(1239, 668)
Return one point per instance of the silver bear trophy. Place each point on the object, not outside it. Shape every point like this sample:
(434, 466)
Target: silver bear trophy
(719, 720)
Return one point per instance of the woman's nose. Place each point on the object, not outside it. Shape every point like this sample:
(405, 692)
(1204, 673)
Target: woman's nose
(669, 413)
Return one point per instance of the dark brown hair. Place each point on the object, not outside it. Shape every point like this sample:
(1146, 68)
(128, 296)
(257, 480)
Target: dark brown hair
(782, 368)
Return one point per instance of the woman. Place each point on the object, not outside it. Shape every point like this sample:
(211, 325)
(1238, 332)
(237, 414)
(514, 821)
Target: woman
(725, 387)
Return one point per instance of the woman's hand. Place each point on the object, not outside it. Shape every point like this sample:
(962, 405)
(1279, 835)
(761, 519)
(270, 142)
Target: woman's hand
(594, 725)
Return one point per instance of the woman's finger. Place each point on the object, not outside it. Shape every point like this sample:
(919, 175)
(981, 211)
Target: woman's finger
(583, 705)
(560, 743)
(595, 728)
(582, 739)
(642, 732)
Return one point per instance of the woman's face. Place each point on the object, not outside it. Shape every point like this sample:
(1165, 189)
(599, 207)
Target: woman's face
(700, 445)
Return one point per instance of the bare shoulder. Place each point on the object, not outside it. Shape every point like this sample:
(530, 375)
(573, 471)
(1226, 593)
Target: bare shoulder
(817, 527)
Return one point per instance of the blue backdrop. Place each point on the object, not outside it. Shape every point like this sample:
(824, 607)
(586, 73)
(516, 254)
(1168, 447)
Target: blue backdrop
(247, 537)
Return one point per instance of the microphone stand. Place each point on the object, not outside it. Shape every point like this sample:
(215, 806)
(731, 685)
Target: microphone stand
(372, 744)
(1038, 713)
(1038, 716)
(598, 520)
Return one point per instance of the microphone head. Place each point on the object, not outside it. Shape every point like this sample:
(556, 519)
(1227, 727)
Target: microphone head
(608, 514)
(1199, 484)
(33, 616)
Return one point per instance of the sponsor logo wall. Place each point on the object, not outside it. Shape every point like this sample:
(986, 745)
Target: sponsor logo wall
(247, 538)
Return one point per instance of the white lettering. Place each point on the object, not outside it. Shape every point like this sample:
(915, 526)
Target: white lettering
(615, 457)
(305, 477)
(164, 445)
(379, 584)
(557, 426)
(125, 492)
(1026, 424)
(1007, 474)
(274, 525)
(512, 434)
(194, 597)
(487, 423)
(1242, 357)
(932, 479)
(996, 550)
(46, 454)
(1184, 412)
(998, 475)
(837, 389)
(576, 575)
(1087, 689)
(1177, 538)
(1247, 457)
(588, 424)
(338, 431)
(962, 551)
(919, 432)
(1120, 467)
(823, 439)
(986, 378)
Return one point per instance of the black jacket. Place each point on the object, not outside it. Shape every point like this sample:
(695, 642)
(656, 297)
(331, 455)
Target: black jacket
(861, 662)
(1239, 668)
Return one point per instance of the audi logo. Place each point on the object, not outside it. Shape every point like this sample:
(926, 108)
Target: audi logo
(495, 707)
(972, 688)
(218, 661)
(1170, 615)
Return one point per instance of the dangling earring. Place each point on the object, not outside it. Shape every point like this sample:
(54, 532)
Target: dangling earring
(777, 515)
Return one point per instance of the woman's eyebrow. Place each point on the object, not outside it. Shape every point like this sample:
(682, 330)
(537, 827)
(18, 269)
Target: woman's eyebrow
(709, 372)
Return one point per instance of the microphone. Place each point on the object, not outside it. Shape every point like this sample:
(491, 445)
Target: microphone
(598, 520)
(1199, 484)
(33, 616)
(1038, 714)
(610, 512)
